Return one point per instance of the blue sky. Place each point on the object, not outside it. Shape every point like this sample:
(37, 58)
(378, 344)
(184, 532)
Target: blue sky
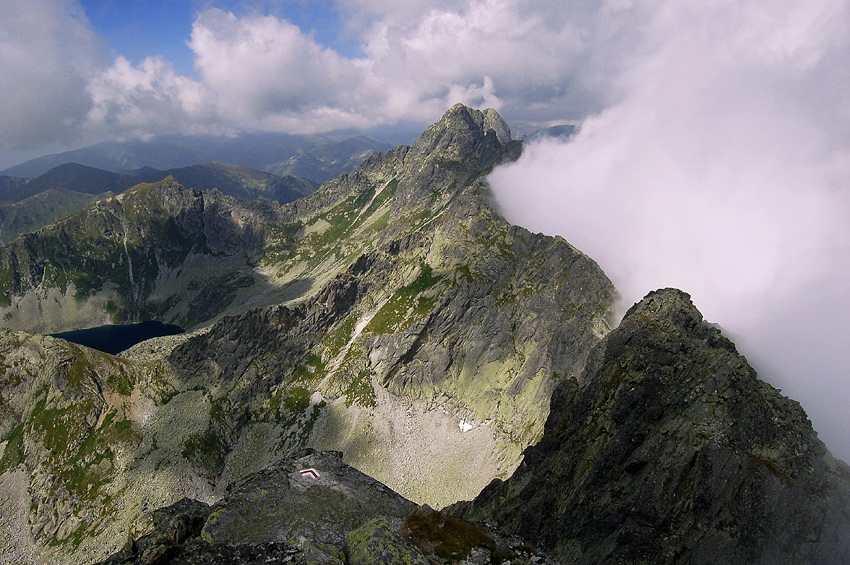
(141, 28)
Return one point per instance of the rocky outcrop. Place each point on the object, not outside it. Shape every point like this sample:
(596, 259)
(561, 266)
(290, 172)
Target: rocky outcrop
(671, 450)
(167, 529)
(316, 509)
(315, 498)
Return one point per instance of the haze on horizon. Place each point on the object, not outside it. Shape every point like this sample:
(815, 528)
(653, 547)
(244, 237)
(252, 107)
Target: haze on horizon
(714, 154)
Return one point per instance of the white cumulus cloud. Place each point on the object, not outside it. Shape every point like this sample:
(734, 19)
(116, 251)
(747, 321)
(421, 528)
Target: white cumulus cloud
(257, 71)
(261, 71)
(149, 97)
(47, 55)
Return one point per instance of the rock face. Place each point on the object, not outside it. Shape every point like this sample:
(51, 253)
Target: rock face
(67, 418)
(670, 450)
(316, 509)
(156, 251)
(322, 504)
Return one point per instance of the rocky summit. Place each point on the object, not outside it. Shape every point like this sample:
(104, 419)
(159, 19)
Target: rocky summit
(671, 450)
(396, 327)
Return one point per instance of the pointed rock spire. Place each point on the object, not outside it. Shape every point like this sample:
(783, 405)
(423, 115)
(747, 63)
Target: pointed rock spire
(467, 135)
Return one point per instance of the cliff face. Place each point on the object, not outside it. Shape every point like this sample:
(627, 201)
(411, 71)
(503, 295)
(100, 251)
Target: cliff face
(670, 450)
(70, 419)
(392, 315)
(158, 251)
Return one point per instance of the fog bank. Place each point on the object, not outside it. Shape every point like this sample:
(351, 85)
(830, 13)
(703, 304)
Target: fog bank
(723, 170)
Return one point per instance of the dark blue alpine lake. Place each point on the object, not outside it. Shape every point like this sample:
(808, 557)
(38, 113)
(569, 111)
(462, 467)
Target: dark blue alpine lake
(116, 338)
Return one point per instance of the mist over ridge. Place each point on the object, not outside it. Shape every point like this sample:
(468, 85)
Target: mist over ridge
(723, 170)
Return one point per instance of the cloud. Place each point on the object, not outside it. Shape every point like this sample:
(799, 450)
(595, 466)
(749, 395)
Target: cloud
(417, 60)
(47, 54)
(261, 71)
(256, 71)
(534, 54)
(722, 170)
(150, 97)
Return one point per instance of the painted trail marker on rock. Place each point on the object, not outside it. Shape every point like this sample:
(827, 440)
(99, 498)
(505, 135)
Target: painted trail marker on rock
(310, 472)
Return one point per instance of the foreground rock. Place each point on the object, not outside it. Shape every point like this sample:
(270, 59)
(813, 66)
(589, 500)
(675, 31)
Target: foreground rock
(316, 509)
(672, 451)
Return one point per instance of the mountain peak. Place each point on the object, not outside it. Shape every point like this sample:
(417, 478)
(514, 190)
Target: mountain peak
(670, 449)
(493, 121)
(467, 135)
(476, 120)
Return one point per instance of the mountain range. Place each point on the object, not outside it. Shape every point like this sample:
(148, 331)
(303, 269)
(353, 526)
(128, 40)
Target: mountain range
(316, 157)
(354, 358)
(29, 204)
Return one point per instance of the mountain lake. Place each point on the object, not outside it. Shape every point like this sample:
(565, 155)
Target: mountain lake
(116, 338)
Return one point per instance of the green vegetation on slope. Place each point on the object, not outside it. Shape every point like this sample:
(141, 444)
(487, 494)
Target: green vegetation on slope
(408, 304)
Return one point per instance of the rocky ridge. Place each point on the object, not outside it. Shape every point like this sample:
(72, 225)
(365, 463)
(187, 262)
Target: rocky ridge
(671, 450)
(392, 315)
(146, 253)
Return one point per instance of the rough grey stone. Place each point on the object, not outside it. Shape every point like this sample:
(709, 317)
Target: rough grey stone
(671, 450)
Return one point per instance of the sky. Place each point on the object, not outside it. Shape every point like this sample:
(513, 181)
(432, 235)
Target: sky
(713, 155)
(80, 71)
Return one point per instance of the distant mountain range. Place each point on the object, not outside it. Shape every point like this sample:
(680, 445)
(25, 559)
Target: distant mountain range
(28, 204)
(34, 212)
(319, 158)
(531, 132)
(278, 167)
